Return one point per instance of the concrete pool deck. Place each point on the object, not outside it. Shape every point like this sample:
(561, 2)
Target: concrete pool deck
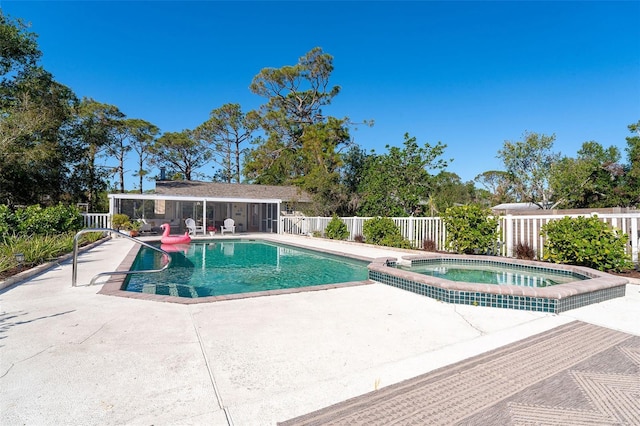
(72, 356)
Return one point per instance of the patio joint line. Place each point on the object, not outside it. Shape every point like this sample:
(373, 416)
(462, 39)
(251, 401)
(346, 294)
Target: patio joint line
(216, 391)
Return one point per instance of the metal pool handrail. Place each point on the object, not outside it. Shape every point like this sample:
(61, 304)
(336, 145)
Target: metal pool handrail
(74, 278)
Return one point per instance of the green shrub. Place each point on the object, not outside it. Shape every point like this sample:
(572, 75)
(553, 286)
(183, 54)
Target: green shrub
(38, 249)
(35, 220)
(336, 229)
(383, 232)
(470, 229)
(120, 221)
(585, 241)
(7, 220)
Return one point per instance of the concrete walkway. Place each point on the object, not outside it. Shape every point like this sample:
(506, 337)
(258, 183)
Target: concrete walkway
(71, 356)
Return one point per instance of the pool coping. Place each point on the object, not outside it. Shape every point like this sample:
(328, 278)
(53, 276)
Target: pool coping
(115, 284)
(558, 298)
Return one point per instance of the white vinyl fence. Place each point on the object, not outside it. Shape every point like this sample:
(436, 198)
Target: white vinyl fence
(97, 220)
(513, 229)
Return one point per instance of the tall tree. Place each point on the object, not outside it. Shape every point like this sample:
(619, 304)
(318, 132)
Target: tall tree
(34, 110)
(181, 152)
(448, 190)
(119, 146)
(399, 183)
(94, 131)
(498, 184)
(142, 134)
(18, 48)
(590, 179)
(292, 117)
(633, 157)
(354, 162)
(227, 130)
(529, 163)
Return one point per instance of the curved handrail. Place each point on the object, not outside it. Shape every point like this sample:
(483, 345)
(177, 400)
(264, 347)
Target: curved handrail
(74, 278)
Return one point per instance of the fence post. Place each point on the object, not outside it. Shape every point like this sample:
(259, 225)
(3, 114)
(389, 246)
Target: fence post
(634, 240)
(508, 234)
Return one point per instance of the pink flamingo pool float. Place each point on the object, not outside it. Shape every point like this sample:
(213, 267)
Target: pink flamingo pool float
(173, 239)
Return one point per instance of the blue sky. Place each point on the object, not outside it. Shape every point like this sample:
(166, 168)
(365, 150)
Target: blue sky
(468, 74)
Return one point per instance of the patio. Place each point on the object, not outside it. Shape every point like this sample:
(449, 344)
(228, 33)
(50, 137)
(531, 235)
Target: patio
(72, 356)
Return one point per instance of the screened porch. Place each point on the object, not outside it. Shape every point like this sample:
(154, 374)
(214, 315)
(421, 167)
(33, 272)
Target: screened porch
(250, 215)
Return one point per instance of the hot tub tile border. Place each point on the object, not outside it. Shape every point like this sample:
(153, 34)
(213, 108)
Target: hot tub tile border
(597, 288)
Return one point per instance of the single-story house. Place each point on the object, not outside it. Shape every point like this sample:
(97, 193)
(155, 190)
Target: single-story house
(254, 208)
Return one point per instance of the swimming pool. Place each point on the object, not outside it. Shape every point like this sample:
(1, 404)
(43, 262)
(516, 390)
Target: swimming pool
(215, 268)
(495, 273)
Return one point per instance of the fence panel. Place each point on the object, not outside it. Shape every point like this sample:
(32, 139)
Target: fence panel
(512, 229)
(527, 230)
(97, 220)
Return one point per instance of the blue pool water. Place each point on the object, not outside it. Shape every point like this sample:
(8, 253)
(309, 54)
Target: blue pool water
(216, 268)
(491, 273)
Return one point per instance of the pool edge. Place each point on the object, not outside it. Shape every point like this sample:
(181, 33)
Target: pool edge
(554, 299)
(114, 286)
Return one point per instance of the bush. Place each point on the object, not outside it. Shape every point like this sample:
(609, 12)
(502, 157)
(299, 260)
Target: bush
(382, 231)
(7, 220)
(525, 251)
(120, 221)
(336, 229)
(428, 245)
(470, 229)
(35, 220)
(585, 241)
(38, 249)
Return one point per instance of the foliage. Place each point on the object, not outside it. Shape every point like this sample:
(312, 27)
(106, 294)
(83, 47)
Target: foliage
(585, 241)
(34, 111)
(38, 249)
(429, 245)
(398, 183)
(529, 164)
(499, 186)
(590, 180)
(351, 171)
(448, 190)
(93, 130)
(336, 229)
(525, 251)
(470, 229)
(35, 220)
(384, 232)
(142, 134)
(7, 220)
(302, 146)
(181, 152)
(19, 49)
(120, 221)
(632, 187)
(295, 95)
(226, 130)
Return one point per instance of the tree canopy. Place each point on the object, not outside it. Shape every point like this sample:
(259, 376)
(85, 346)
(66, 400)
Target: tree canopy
(399, 183)
(529, 163)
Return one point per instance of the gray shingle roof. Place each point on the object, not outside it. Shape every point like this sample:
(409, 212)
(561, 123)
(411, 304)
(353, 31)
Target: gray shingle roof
(231, 190)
